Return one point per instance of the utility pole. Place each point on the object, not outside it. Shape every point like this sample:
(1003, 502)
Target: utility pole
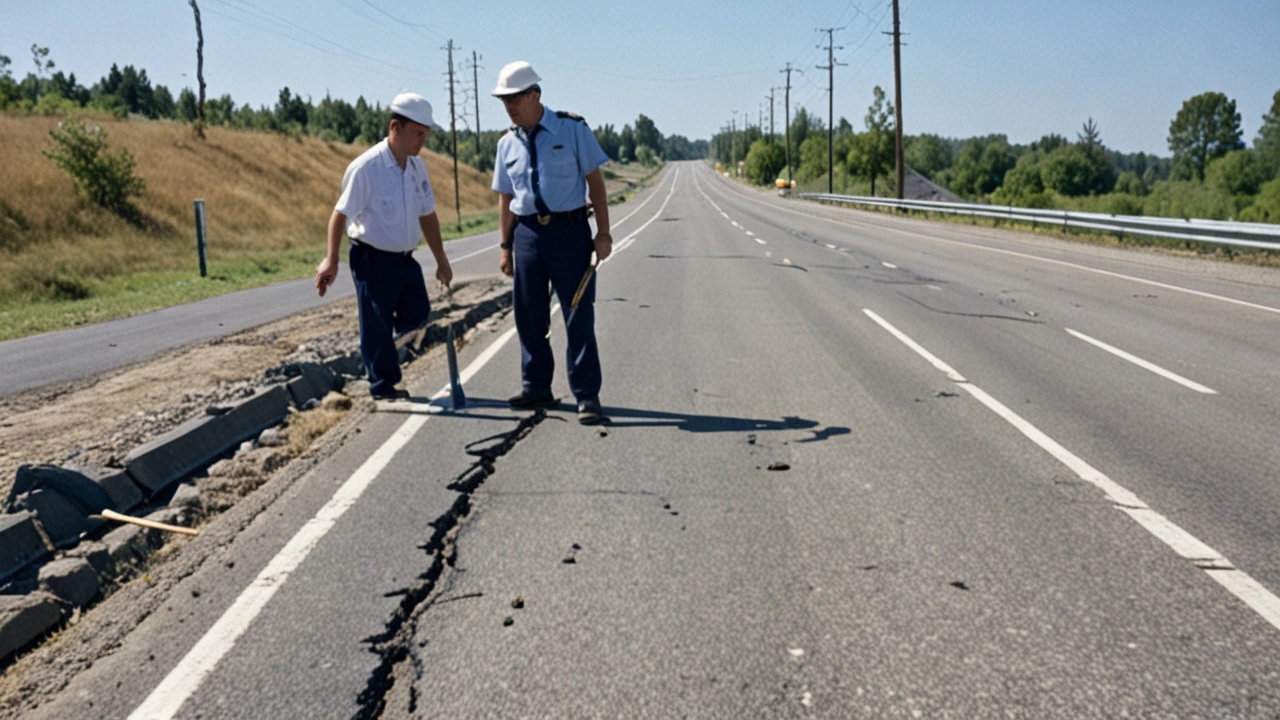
(453, 129)
(771, 113)
(733, 141)
(199, 67)
(830, 67)
(475, 83)
(897, 99)
(787, 117)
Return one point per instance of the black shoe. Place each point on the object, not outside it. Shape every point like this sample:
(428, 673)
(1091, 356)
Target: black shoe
(589, 412)
(392, 394)
(530, 399)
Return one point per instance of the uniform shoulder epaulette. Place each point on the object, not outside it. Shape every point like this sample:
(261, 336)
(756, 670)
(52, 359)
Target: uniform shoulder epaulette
(571, 116)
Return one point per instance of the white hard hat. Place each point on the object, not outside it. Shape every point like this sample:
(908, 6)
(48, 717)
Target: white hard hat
(413, 106)
(515, 77)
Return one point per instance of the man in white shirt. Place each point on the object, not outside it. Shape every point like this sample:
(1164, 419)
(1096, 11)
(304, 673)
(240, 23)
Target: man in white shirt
(386, 205)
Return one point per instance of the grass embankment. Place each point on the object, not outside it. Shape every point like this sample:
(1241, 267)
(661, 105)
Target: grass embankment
(267, 197)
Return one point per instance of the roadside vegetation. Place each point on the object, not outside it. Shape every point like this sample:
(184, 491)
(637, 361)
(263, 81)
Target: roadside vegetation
(1211, 173)
(96, 201)
(71, 261)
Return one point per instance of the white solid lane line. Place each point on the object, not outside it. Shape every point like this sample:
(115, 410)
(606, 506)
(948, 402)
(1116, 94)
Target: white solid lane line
(1144, 364)
(182, 682)
(1238, 583)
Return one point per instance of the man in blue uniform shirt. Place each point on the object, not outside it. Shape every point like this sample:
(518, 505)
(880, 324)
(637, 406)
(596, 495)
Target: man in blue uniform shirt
(386, 205)
(547, 165)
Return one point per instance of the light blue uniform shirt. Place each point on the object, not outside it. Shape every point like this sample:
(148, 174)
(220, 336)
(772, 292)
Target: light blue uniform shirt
(567, 153)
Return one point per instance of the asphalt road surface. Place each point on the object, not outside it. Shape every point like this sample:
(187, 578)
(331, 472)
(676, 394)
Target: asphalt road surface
(1024, 478)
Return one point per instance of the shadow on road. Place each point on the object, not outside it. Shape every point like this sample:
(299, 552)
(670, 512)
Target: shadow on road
(635, 417)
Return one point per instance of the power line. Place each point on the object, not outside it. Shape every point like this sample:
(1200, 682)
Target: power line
(695, 78)
(290, 30)
(428, 28)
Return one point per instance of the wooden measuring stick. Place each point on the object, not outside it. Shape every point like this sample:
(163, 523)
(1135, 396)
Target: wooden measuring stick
(113, 515)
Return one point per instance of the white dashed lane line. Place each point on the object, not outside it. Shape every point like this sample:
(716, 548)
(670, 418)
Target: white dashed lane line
(1183, 543)
(1143, 363)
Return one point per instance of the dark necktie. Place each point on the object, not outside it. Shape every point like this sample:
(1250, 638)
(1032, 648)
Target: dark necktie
(533, 173)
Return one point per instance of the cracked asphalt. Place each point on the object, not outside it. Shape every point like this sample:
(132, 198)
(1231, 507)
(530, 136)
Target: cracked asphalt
(920, 555)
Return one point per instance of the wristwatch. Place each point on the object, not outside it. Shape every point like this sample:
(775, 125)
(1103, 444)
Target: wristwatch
(505, 245)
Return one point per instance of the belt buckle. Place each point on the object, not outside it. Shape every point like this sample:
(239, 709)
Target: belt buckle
(544, 219)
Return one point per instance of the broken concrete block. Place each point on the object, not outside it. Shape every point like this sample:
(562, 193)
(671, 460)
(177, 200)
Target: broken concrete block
(95, 553)
(123, 491)
(195, 443)
(62, 518)
(126, 545)
(71, 579)
(313, 382)
(169, 516)
(349, 365)
(69, 482)
(24, 618)
(185, 496)
(21, 542)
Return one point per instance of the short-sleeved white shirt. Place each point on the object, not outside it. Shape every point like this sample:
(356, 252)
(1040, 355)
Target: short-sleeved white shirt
(382, 203)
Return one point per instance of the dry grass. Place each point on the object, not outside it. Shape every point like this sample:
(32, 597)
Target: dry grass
(305, 427)
(263, 193)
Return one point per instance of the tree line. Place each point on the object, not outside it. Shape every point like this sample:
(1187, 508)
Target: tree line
(1211, 172)
(128, 91)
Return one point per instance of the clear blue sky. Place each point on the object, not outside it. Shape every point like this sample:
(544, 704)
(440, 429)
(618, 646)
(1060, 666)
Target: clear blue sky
(1017, 67)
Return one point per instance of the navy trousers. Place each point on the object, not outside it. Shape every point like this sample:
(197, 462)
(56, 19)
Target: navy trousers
(557, 254)
(393, 300)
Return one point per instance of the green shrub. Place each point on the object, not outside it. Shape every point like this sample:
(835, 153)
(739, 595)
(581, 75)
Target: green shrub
(1188, 199)
(1266, 206)
(764, 161)
(646, 157)
(103, 179)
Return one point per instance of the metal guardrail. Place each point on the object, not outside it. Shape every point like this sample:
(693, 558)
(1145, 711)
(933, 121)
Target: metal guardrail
(1258, 235)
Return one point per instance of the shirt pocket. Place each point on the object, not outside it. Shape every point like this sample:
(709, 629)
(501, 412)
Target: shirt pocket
(518, 171)
(561, 164)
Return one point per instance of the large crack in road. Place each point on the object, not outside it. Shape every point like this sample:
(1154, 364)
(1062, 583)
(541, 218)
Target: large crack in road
(392, 681)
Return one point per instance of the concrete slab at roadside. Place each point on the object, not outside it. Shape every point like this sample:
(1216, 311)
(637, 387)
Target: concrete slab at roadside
(71, 579)
(190, 446)
(23, 618)
(21, 542)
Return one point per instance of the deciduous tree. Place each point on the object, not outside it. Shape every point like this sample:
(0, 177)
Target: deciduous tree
(764, 161)
(1206, 127)
(873, 151)
(927, 154)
